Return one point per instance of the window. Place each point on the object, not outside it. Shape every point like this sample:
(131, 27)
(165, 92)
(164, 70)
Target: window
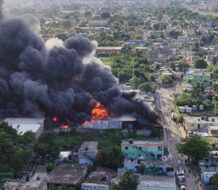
(160, 148)
(169, 169)
(159, 156)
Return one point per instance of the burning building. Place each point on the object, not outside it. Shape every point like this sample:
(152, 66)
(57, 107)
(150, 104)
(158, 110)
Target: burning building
(62, 81)
(125, 122)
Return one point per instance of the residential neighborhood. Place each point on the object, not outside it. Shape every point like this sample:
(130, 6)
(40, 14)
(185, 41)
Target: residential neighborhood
(109, 95)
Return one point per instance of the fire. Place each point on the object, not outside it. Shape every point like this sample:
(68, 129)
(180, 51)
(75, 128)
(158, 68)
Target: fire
(54, 119)
(98, 112)
(64, 126)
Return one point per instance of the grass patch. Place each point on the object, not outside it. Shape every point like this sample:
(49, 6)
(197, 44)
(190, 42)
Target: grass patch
(107, 60)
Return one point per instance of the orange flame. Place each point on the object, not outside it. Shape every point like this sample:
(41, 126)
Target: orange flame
(98, 112)
(54, 119)
(64, 126)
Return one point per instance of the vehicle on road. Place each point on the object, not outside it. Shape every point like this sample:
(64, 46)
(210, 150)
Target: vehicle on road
(180, 172)
(180, 177)
(182, 187)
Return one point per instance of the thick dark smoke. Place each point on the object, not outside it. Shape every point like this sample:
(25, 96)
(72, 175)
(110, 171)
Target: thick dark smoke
(1, 15)
(37, 82)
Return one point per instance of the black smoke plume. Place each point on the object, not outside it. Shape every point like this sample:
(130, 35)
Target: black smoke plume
(1, 14)
(58, 82)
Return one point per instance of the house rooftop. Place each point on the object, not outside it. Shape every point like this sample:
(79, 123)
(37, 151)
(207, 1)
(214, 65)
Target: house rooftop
(101, 176)
(67, 174)
(201, 119)
(108, 48)
(25, 124)
(33, 183)
(123, 118)
(149, 162)
(157, 181)
(89, 146)
(36, 180)
(13, 185)
(142, 143)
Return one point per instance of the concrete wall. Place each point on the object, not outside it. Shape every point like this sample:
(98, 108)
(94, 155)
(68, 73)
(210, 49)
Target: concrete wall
(148, 152)
(94, 186)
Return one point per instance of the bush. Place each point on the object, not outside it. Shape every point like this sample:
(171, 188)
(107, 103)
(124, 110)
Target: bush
(165, 79)
(147, 87)
(184, 99)
(200, 63)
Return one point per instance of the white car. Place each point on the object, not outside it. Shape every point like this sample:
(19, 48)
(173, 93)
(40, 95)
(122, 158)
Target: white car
(180, 177)
(182, 187)
(180, 172)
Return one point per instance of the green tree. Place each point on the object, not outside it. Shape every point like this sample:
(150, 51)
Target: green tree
(110, 157)
(165, 79)
(27, 137)
(147, 86)
(195, 147)
(214, 180)
(195, 46)
(48, 145)
(127, 181)
(200, 63)
(184, 99)
(197, 90)
(135, 81)
(14, 154)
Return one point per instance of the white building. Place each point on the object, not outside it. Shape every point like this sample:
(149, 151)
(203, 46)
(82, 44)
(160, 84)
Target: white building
(88, 152)
(202, 125)
(156, 183)
(23, 125)
(108, 50)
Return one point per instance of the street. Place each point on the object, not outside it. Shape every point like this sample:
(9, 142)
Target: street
(172, 136)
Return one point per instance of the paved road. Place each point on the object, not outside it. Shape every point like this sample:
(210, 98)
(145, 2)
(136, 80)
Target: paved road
(173, 135)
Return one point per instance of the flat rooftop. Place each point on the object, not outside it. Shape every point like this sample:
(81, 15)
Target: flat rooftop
(150, 162)
(201, 119)
(70, 174)
(36, 180)
(89, 146)
(108, 48)
(143, 143)
(123, 118)
(157, 181)
(101, 176)
(25, 124)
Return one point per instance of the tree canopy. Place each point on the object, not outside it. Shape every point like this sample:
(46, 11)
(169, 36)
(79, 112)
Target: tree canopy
(105, 15)
(214, 180)
(165, 79)
(200, 63)
(127, 181)
(13, 150)
(195, 147)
